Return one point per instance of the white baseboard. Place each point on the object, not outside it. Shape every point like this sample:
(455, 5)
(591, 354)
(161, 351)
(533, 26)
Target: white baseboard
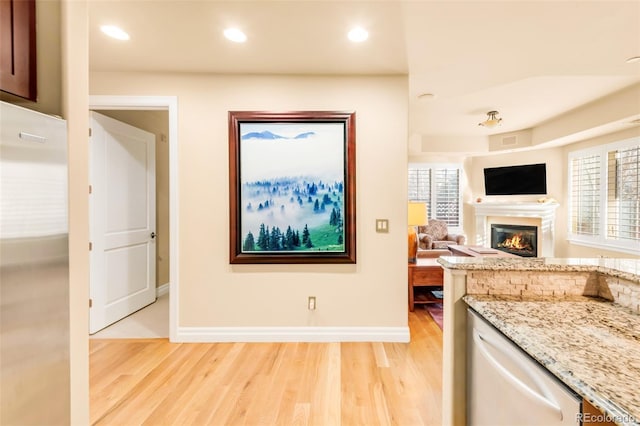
(163, 289)
(292, 334)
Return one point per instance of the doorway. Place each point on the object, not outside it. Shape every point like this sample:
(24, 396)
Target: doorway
(126, 242)
(149, 107)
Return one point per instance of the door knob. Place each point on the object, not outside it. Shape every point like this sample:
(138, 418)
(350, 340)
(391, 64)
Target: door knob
(153, 235)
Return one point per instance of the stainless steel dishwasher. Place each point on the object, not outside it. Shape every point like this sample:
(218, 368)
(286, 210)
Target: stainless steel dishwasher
(505, 386)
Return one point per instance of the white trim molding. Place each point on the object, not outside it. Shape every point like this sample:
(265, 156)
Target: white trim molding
(292, 334)
(546, 212)
(162, 290)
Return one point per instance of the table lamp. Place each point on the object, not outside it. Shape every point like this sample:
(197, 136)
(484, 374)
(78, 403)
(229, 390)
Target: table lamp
(417, 215)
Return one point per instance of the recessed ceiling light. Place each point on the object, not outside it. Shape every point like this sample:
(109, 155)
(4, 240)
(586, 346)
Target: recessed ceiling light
(114, 32)
(235, 35)
(358, 35)
(633, 60)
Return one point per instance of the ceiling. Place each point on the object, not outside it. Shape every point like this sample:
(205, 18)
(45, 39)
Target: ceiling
(530, 60)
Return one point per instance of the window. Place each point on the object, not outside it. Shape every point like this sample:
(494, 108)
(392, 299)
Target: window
(604, 190)
(585, 195)
(623, 197)
(439, 187)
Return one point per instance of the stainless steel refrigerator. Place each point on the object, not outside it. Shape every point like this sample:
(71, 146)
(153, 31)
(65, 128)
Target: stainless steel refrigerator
(34, 269)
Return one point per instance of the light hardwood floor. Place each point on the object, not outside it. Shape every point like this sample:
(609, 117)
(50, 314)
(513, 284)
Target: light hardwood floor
(154, 382)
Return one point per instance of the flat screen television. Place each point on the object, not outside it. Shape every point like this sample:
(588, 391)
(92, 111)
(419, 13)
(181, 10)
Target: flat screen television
(516, 180)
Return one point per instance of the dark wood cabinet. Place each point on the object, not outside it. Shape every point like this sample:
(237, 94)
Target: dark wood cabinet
(18, 73)
(427, 274)
(593, 417)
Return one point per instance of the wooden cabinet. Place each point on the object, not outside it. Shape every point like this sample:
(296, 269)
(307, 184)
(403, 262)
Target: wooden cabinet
(593, 417)
(426, 273)
(18, 73)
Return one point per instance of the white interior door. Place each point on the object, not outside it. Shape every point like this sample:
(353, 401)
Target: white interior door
(122, 220)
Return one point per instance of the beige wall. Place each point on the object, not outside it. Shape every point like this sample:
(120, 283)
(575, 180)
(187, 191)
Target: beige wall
(213, 293)
(620, 107)
(48, 61)
(156, 122)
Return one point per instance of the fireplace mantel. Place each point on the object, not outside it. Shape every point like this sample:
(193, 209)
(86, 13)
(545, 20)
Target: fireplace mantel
(546, 212)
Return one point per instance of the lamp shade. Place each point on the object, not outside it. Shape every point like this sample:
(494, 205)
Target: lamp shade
(492, 120)
(417, 214)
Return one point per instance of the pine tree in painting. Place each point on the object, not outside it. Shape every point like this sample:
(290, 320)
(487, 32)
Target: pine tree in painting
(289, 239)
(274, 240)
(249, 243)
(263, 238)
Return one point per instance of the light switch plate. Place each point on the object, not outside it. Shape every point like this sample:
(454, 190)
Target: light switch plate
(382, 225)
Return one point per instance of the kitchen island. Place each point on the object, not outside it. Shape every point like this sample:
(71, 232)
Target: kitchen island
(580, 318)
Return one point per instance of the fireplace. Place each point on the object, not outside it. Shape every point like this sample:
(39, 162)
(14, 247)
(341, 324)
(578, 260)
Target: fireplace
(502, 212)
(521, 240)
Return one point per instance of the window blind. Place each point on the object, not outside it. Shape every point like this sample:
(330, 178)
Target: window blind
(439, 189)
(447, 196)
(419, 184)
(623, 194)
(585, 195)
(604, 184)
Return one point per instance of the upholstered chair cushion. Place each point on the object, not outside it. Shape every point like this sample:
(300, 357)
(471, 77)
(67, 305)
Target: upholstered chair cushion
(435, 236)
(440, 244)
(425, 241)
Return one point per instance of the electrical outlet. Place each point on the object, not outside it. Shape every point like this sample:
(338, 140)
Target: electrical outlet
(311, 304)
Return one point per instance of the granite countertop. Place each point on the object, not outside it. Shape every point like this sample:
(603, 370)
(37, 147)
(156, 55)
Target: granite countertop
(590, 344)
(628, 269)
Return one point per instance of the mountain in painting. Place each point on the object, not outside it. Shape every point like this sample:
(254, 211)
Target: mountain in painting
(305, 135)
(262, 135)
(267, 135)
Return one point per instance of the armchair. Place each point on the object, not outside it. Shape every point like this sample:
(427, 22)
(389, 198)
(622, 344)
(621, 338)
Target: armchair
(434, 239)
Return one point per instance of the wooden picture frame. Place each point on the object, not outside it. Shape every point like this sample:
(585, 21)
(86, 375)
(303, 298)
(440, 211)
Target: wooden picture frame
(292, 187)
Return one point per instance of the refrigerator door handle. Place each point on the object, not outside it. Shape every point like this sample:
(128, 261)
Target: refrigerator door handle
(526, 390)
(31, 137)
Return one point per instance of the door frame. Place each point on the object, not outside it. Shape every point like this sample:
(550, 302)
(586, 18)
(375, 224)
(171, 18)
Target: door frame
(170, 104)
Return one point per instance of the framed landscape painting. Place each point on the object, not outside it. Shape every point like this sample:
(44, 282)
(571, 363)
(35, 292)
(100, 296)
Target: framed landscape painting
(292, 187)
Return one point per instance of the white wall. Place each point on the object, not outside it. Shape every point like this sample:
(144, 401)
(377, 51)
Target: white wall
(214, 293)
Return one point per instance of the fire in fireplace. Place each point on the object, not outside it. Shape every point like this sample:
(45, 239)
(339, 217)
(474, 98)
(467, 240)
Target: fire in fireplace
(521, 240)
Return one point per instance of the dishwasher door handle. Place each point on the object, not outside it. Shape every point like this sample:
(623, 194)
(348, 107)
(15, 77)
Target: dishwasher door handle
(519, 384)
